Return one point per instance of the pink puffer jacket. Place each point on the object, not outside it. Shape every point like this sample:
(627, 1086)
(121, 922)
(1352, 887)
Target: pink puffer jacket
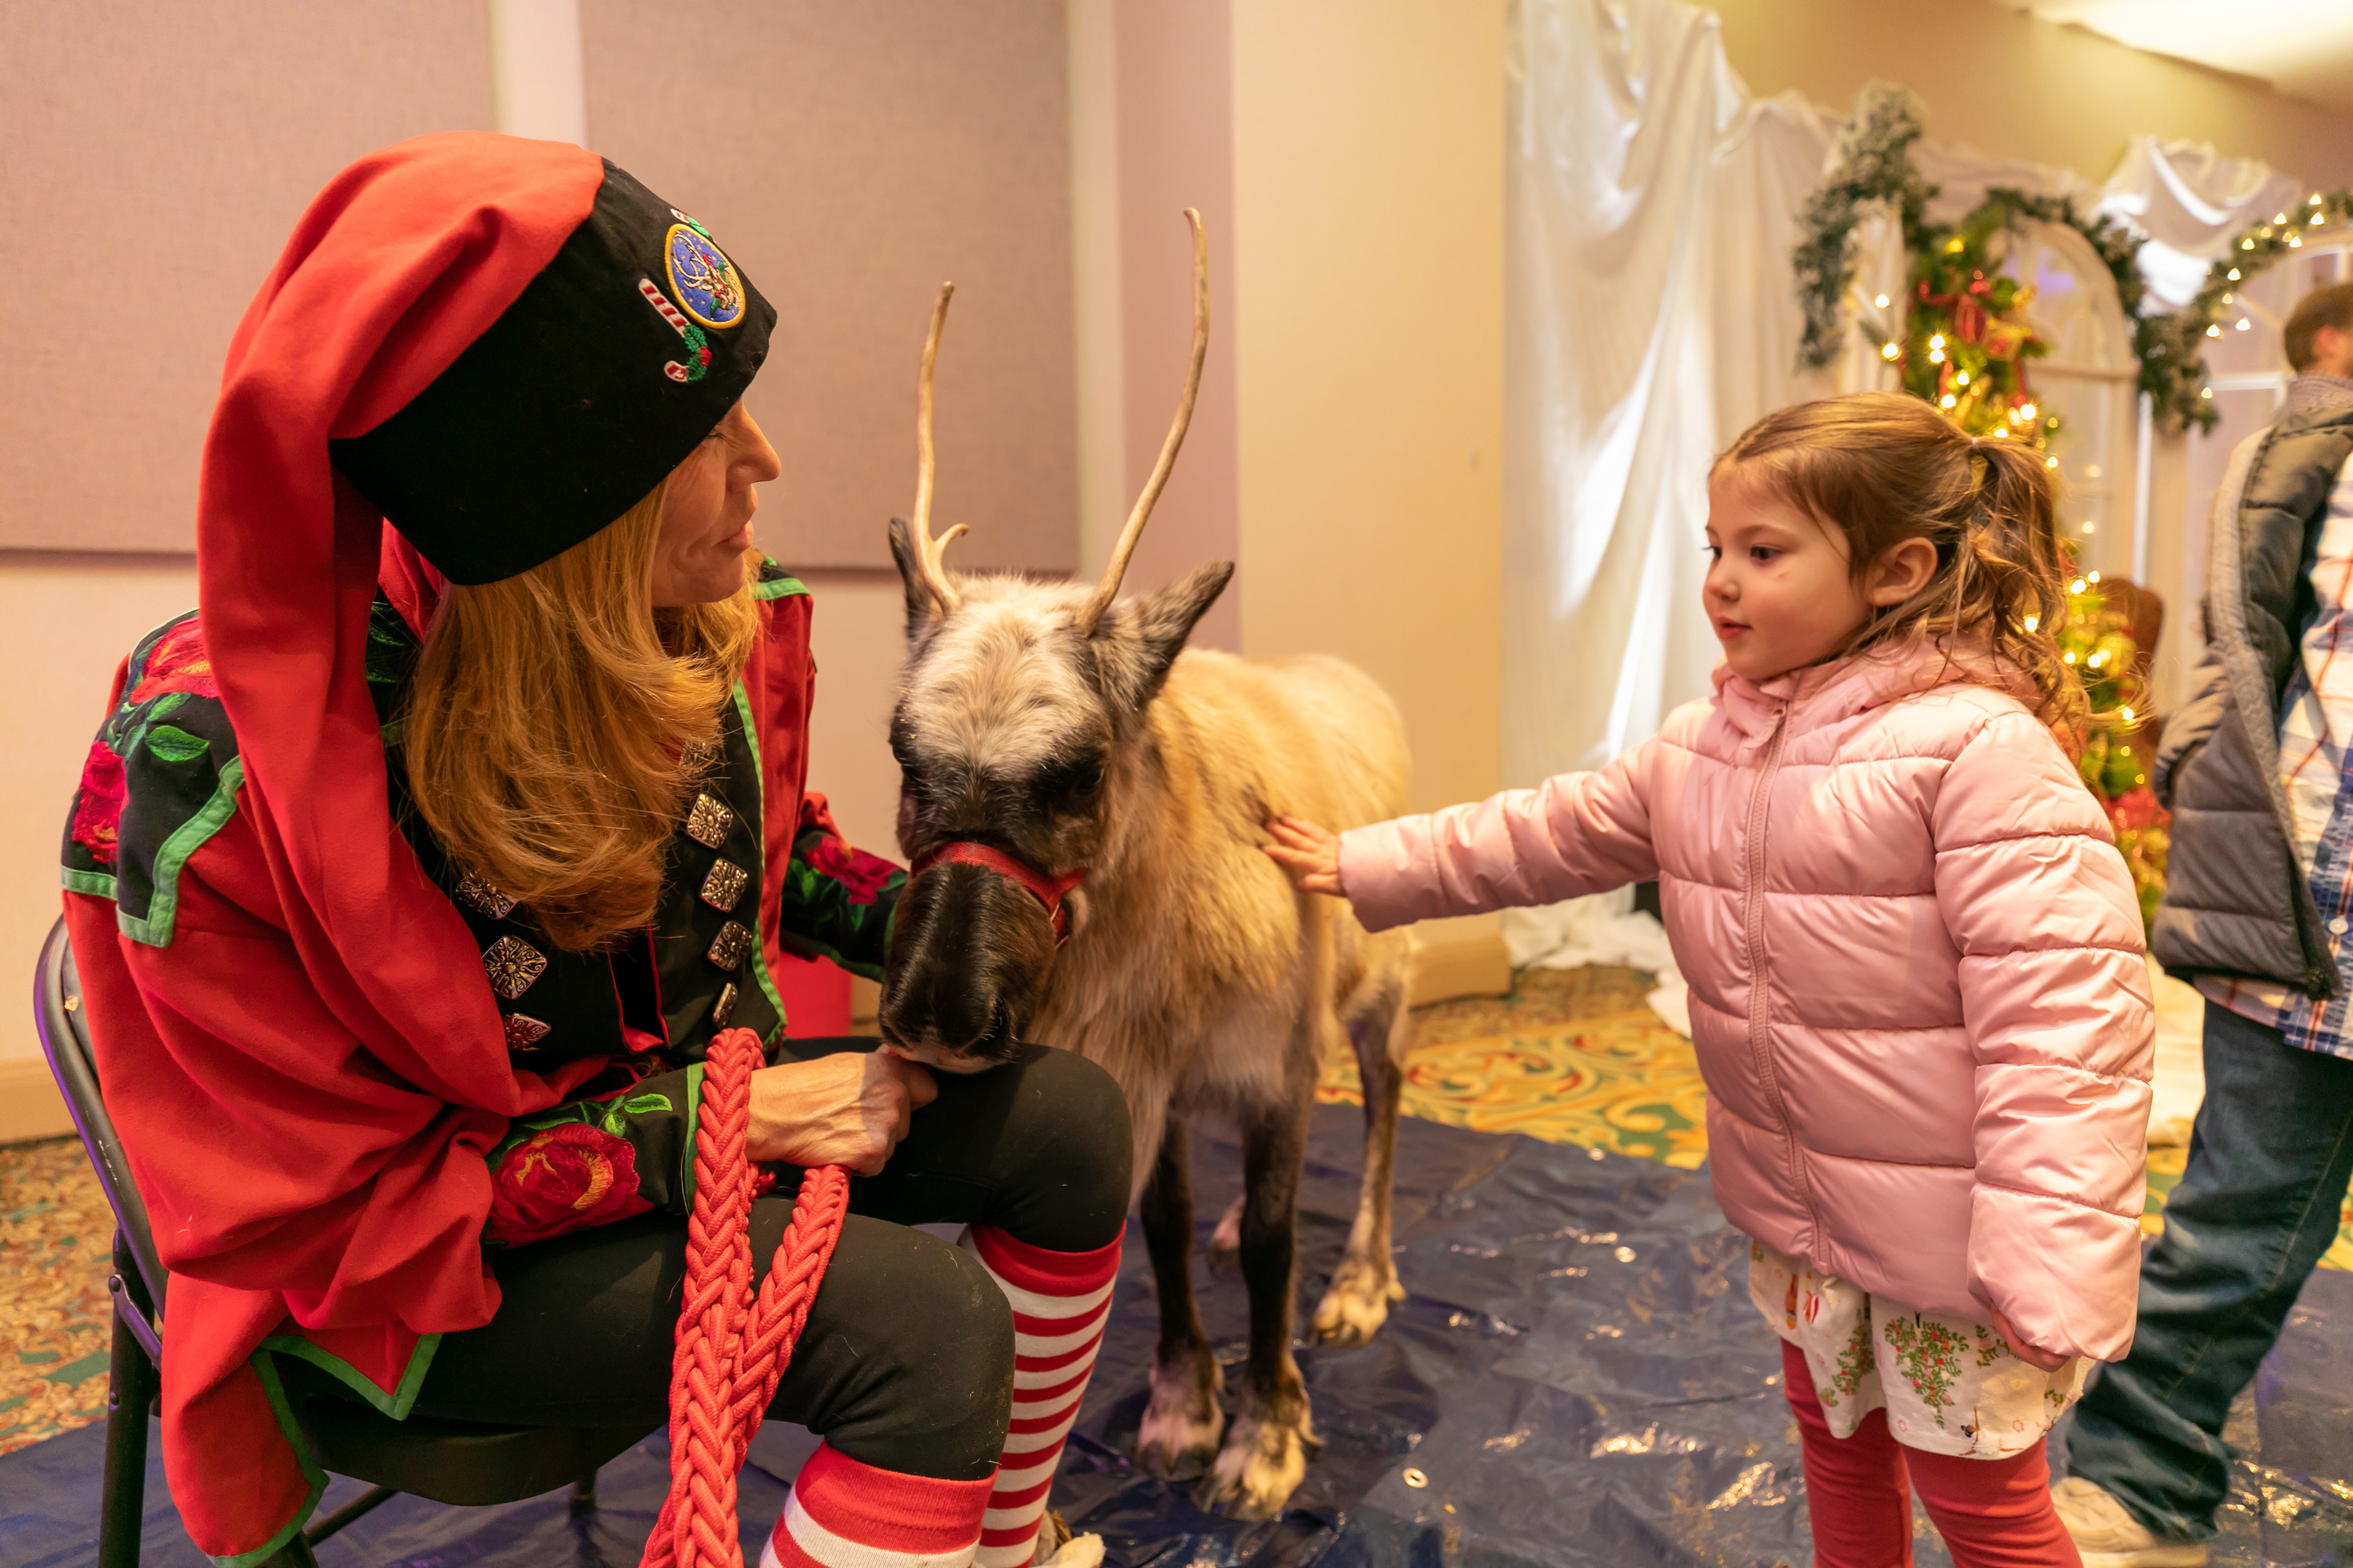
(1916, 984)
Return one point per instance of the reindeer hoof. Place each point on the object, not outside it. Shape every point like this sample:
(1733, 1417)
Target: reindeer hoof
(1357, 1304)
(1057, 1548)
(1259, 1467)
(1180, 1430)
(1225, 1241)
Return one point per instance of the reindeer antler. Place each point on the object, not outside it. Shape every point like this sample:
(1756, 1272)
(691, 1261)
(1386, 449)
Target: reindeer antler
(927, 548)
(1092, 614)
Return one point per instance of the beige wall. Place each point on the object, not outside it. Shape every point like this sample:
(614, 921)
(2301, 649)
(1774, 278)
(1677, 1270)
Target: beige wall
(858, 638)
(854, 156)
(2003, 82)
(156, 157)
(1173, 127)
(1368, 183)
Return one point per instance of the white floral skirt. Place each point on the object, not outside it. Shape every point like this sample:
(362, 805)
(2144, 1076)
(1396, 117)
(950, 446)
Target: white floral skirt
(1949, 1386)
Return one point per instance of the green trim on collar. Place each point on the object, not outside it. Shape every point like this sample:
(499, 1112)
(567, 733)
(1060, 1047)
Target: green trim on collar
(760, 783)
(291, 1430)
(778, 588)
(693, 1121)
(163, 905)
(397, 1404)
(100, 883)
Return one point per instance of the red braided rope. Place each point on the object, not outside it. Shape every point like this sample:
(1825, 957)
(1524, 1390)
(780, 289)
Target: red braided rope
(731, 1349)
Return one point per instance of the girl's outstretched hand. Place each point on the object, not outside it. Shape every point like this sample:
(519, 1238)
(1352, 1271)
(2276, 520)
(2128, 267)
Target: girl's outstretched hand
(2031, 1355)
(1311, 854)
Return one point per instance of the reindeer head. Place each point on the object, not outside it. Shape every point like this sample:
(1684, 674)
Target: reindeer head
(1016, 732)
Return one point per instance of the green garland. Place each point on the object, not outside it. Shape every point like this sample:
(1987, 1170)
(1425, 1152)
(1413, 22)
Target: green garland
(1872, 163)
(2255, 250)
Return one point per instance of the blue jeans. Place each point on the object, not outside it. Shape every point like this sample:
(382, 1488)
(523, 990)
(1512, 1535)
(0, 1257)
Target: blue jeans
(2257, 1205)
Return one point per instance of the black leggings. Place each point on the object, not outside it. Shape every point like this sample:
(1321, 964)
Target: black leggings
(907, 1359)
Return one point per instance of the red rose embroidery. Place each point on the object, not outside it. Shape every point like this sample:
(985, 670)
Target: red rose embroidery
(564, 1178)
(177, 662)
(860, 875)
(97, 815)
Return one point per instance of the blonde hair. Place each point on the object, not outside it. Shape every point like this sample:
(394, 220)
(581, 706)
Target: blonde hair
(552, 727)
(1881, 468)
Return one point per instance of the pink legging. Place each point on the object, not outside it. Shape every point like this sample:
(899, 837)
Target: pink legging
(1993, 1513)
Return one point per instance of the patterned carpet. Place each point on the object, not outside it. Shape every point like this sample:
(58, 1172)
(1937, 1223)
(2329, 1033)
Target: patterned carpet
(54, 1236)
(1570, 1055)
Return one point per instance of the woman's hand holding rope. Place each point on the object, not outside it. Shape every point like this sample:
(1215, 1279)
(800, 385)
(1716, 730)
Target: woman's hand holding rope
(850, 1109)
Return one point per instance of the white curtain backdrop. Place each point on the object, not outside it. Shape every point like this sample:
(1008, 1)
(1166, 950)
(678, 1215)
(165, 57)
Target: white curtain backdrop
(2190, 200)
(1651, 314)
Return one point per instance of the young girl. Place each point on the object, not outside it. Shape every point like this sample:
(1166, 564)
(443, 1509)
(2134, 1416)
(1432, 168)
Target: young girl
(1916, 984)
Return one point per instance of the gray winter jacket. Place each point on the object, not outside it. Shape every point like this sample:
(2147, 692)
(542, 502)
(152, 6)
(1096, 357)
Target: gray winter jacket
(2236, 902)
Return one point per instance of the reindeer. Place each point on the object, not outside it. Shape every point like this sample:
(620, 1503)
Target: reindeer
(1082, 799)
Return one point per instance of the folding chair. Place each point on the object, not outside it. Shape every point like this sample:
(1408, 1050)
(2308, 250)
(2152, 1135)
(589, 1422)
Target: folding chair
(449, 1461)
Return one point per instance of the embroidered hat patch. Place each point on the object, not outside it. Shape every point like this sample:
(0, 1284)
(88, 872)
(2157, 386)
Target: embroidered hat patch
(701, 279)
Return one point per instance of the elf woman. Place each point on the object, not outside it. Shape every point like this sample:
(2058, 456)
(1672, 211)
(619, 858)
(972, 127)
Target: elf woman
(411, 873)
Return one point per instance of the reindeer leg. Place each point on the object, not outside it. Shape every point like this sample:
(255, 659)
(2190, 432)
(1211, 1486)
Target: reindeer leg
(1181, 1425)
(1357, 1301)
(1266, 1449)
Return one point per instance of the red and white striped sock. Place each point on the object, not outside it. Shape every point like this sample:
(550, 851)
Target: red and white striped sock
(1060, 1300)
(843, 1514)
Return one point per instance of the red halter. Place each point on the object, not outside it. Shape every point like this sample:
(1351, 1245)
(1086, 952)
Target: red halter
(1047, 890)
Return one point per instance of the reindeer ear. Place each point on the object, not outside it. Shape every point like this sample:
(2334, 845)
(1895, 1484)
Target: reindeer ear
(922, 610)
(1133, 648)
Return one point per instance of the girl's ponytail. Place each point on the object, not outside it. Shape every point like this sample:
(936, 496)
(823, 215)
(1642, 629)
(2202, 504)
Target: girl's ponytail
(2016, 554)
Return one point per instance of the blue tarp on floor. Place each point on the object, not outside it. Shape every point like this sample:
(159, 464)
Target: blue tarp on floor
(1575, 1372)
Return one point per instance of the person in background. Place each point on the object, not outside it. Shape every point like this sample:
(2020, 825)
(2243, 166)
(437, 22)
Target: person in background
(1918, 992)
(2256, 771)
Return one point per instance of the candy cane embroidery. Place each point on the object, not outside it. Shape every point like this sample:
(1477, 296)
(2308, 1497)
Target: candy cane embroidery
(697, 345)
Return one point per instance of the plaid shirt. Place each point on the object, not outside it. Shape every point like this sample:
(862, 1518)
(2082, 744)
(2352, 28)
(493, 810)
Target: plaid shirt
(2317, 767)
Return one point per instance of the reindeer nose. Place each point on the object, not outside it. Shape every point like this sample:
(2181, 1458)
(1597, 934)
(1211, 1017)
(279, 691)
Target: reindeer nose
(969, 961)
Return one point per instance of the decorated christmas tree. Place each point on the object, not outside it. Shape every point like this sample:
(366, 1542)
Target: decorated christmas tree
(2095, 636)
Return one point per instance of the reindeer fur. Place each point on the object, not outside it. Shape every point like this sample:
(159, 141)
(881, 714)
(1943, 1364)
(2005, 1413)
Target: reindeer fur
(1195, 972)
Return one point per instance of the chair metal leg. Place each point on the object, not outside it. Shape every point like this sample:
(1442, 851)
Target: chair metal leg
(133, 1385)
(295, 1553)
(583, 1495)
(359, 1507)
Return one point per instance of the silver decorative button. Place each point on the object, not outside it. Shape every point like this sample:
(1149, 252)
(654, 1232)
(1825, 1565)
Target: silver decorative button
(722, 1008)
(512, 965)
(724, 886)
(523, 1031)
(728, 947)
(708, 823)
(2336, 926)
(480, 896)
